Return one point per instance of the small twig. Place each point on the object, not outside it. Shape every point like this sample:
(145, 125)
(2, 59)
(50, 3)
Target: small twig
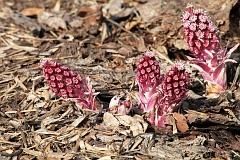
(230, 90)
(162, 56)
(235, 153)
(16, 153)
(121, 88)
(121, 27)
(230, 112)
(235, 78)
(54, 110)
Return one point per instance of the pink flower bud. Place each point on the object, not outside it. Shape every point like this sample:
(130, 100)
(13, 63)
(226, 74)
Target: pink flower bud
(204, 43)
(148, 71)
(68, 84)
(174, 88)
(148, 77)
(160, 95)
(175, 82)
(201, 34)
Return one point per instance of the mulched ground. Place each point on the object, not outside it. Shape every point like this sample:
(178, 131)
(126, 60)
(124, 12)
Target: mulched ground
(104, 40)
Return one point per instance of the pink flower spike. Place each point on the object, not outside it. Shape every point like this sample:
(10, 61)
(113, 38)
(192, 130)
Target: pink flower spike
(148, 77)
(64, 81)
(203, 33)
(179, 82)
(204, 43)
(160, 95)
(172, 93)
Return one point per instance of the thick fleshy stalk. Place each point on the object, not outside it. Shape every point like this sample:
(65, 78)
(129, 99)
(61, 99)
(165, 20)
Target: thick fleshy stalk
(66, 83)
(204, 43)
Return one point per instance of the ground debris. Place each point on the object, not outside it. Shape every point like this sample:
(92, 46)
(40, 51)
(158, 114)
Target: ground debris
(104, 40)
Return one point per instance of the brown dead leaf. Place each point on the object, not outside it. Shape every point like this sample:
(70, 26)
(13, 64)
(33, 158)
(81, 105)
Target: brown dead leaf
(105, 32)
(137, 125)
(130, 25)
(220, 11)
(52, 20)
(115, 9)
(37, 138)
(138, 43)
(58, 156)
(48, 148)
(181, 44)
(171, 121)
(20, 83)
(32, 152)
(125, 51)
(150, 11)
(142, 121)
(90, 14)
(24, 21)
(81, 145)
(108, 138)
(32, 11)
(181, 122)
(110, 120)
(77, 121)
(75, 22)
(194, 116)
(57, 6)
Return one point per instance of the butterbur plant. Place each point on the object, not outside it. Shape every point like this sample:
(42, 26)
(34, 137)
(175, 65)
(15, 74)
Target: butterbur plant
(174, 86)
(204, 43)
(68, 84)
(160, 95)
(148, 77)
(173, 91)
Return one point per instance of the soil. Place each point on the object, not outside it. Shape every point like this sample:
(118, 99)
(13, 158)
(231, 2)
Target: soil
(104, 40)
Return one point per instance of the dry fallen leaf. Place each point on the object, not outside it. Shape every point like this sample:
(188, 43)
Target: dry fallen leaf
(90, 14)
(77, 121)
(116, 9)
(194, 116)
(52, 20)
(150, 11)
(171, 121)
(137, 124)
(110, 120)
(130, 25)
(138, 43)
(181, 122)
(57, 6)
(32, 11)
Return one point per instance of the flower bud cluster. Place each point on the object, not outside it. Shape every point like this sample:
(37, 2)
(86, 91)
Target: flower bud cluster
(68, 84)
(204, 43)
(160, 94)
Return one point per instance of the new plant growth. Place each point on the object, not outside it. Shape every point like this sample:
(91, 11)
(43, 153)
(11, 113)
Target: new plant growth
(204, 43)
(68, 84)
(160, 95)
(118, 106)
(148, 77)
